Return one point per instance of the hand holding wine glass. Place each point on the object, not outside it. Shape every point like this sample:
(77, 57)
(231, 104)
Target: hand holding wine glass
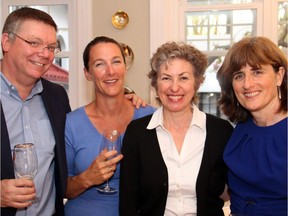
(25, 162)
(111, 141)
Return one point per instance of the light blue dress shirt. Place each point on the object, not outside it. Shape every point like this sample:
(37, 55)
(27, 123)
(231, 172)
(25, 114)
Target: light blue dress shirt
(27, 121)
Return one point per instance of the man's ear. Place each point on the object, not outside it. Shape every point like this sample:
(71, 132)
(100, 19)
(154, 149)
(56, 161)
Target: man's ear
(5, 42)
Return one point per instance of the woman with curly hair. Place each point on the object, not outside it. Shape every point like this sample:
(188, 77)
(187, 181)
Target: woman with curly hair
(173, 160)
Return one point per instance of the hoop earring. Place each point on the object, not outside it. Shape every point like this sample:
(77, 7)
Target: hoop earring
(279, 92)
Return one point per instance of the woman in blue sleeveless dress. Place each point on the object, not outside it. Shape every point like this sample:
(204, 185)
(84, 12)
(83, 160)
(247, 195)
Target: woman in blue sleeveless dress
(253, 80)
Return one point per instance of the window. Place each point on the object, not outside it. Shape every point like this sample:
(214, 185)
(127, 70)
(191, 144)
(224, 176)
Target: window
(208, 103)
(282, 35)
(215, 2)
(216, 30)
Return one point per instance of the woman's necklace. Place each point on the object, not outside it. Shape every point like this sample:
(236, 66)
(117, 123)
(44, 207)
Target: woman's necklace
(112, 123)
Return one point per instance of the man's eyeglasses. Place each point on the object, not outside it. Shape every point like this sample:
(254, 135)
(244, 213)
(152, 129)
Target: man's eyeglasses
(39, 47)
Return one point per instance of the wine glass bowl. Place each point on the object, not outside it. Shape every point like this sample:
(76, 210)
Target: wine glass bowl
(25, 162)
(111, 141)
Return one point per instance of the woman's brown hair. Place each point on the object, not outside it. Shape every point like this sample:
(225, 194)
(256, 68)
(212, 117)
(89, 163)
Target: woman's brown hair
(252, 51)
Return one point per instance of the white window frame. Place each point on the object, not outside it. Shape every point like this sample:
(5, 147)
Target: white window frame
(198, 8)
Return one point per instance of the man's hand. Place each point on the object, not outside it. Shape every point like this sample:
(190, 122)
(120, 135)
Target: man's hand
(17, 193)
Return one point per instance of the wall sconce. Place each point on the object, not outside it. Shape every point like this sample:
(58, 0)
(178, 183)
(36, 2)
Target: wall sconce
(120, 19)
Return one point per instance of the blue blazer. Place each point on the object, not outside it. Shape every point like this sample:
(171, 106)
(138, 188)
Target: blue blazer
(56, 102)
(144, 175)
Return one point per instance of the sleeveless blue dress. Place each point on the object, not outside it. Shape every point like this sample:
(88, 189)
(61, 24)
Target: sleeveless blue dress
(257, 169)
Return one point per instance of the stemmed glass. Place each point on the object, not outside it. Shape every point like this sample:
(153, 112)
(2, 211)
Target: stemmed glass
(25, 162)
(111, 141)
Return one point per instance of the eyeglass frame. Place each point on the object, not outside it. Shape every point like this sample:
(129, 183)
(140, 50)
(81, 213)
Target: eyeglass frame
(35, 45)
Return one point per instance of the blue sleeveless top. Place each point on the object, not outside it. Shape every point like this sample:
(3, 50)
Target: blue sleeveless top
(82, 147)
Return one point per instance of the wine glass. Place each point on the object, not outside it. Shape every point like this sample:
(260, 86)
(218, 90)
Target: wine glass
(25, 162)
(111, 141)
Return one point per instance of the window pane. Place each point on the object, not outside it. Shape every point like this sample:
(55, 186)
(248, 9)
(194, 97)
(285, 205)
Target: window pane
(283, 26)
(208, 103)
(59, 14)
(63, 37)
(214, 2)
(213, 30)
(211, 83)
(58, 72)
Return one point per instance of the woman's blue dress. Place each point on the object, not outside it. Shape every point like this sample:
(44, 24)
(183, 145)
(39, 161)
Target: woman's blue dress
(257, 169)
(82, 147)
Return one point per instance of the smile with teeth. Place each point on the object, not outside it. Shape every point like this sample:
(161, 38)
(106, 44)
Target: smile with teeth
(37, 63)
(110, 81)
(251, 94)
(175, 97)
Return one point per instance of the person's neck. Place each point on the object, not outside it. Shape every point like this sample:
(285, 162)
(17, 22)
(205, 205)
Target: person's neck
(268, 120)
(110, 107)
(111, 113)
(177, 119)
(23, 85)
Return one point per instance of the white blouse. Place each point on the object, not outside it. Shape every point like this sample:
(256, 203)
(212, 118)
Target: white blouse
(182, 169)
